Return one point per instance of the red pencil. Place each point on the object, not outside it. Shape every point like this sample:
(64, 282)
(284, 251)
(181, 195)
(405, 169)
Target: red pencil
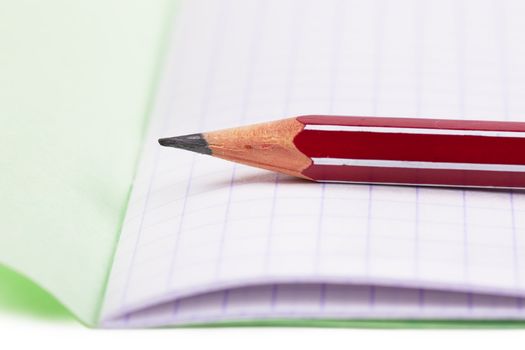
(406, 151)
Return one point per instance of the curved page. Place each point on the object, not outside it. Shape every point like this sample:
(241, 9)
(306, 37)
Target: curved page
(197, 225)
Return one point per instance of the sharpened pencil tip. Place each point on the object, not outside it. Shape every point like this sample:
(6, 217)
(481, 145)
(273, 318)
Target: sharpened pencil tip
(193, 142)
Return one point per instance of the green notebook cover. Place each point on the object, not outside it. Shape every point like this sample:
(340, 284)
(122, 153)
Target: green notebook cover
(77, 81)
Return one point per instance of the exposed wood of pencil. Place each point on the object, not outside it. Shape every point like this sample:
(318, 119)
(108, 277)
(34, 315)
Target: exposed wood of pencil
(267, 145)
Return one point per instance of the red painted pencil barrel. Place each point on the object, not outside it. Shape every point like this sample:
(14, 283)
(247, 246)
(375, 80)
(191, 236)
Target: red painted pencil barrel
(432, 152)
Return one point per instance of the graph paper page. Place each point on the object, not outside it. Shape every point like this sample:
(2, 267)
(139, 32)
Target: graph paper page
(206, 237)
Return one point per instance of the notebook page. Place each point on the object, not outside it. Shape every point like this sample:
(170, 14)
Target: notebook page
(337, 302)
(198, 225)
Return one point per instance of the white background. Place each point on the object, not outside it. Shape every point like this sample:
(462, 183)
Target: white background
(23, 333)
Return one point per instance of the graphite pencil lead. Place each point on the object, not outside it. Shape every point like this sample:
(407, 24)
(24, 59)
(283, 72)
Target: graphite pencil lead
(193, 142)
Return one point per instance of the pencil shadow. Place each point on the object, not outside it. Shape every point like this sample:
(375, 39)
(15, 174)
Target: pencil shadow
(262, 178)
(19, 295)
(269, 178)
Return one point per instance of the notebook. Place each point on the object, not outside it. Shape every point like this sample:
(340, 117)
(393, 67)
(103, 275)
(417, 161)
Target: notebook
(207, 242)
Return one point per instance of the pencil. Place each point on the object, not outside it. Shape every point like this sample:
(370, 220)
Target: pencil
(373, 150)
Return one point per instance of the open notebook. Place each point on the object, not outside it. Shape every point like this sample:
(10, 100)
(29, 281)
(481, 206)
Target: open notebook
(205, 241)
(208, 241)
